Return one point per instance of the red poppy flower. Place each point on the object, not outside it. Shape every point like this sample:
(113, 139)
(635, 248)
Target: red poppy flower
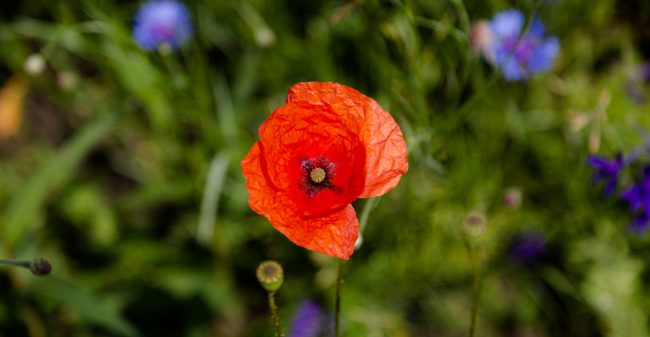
(326, 147)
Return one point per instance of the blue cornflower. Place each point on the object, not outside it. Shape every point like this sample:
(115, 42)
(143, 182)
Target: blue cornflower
(310, 321)
(638, 196)
(162, 23)
(606, 170)
(640, 223)
(520, 54)
(526, 247)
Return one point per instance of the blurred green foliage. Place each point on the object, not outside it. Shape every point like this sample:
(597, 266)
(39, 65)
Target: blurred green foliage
(125, 172)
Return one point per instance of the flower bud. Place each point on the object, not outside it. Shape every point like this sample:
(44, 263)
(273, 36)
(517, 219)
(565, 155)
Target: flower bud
(270, 275)
(512, 197)
(474, 224)
(34, 64)
(265, 37)
(40, 267)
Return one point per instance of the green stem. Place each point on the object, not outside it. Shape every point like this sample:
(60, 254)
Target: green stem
(339, 285)
(475, 306)
(478, 287)
(274, 314)
(19, 263)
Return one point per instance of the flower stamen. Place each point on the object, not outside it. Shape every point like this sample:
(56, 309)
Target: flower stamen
(317, 175)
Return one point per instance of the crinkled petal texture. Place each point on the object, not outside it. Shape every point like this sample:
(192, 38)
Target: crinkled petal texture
(333, 234)
(385, 147)
(355, 148)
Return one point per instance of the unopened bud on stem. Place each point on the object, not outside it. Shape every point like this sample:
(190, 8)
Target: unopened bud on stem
(38, 267)
(474, 224)
(270, 275)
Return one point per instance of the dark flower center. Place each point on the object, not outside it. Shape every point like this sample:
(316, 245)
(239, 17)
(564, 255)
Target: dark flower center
(269, 270)
(317, 175)
(520, 48)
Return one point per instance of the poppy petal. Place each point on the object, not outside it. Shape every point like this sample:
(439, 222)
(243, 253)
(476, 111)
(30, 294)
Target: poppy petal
(386, 158)
(292, 137)
(333, 234)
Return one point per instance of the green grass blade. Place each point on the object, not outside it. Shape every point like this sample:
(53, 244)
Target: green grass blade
(53, 173)
(211, 194)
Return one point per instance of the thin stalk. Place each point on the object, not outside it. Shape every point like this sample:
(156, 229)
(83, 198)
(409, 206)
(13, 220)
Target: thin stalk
(274, 314)
(478, 289)
(339, 285)
(365, 213)
(19, 263)
(35, 326)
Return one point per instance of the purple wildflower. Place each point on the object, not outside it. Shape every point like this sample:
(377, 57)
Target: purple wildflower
(162, 23)
(638, 196)
(527, 247)
(607, 171)
(520, 54)
(308, 320)
(644, 71)
(640, 223)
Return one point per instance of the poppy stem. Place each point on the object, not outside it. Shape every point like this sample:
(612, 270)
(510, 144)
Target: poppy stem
(274, 314)
(339, 285)
(478, 288)
(38, 267)
(18, 263)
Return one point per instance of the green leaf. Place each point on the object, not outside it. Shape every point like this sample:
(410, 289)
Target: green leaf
(87, 305)
(53, 173)
(140, 77)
